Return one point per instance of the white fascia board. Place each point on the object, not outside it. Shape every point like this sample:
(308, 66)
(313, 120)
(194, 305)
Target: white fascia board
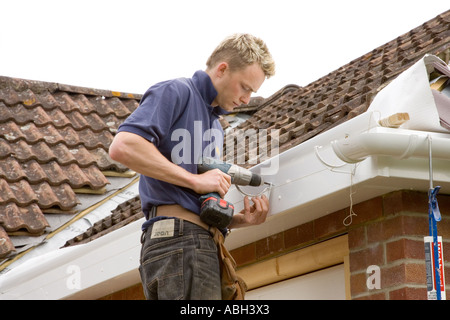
(305, 188)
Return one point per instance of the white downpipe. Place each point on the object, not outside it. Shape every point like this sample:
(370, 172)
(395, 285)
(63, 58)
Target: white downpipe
(395, 143)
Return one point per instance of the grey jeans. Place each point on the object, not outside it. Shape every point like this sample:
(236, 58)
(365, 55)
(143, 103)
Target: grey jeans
(179, 262)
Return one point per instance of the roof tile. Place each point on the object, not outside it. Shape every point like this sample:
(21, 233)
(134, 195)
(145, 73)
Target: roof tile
(83, 104)
(122, 215)
(11, 131)
(90, 177)
(11, 170)
(61, 196)
(14, 218)
(19, 192)
(6, 245)
(50, 172)
(84, 157)
(53, 141)
(92, 140)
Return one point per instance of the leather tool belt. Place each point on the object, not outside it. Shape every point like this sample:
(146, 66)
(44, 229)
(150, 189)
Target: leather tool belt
(233, 286)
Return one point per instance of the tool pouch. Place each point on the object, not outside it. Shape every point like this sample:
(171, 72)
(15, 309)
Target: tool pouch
(233, 286)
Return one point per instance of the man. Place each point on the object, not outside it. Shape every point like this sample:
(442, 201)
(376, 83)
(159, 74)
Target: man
(163, 140)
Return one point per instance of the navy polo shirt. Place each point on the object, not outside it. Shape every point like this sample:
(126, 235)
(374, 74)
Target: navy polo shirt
(177, 117)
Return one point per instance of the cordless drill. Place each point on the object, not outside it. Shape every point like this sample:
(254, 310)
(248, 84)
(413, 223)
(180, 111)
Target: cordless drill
(216, 211)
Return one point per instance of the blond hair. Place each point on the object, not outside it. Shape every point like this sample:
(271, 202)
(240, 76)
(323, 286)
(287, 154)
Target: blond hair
(241, 50)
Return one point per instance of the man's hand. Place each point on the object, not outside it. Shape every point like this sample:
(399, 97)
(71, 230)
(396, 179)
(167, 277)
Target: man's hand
(251, 215)
(212, 181)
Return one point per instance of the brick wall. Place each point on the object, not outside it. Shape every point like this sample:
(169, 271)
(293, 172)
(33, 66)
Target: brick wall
(387, 233)
(394, 243)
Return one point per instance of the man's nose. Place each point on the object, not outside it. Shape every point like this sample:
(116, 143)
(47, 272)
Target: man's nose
(245, 99)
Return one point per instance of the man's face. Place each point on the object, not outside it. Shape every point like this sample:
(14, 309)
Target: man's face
(236, 87)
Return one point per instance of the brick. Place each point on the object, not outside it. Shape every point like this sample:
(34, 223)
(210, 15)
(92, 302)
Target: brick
(360, 260)
(373, 296)
(269, 246)
(299, 235)
(405, 201)
(405, 249)
(358, 283)
(408, 293)
(368, 210)
(392, 276)
(446, 272)
(401, 225)
(357, 238)
(245, 254)
(330, 224)
(444, 225)
(392, 228)
(416, 273)
(444, 201)
(375, 232)
(415, 225)
(411, 273)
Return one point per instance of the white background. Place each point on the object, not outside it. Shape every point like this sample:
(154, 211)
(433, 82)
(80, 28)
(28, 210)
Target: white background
(129, 45)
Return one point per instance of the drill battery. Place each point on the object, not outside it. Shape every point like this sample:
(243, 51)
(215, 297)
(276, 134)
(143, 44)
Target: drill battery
(216, 211)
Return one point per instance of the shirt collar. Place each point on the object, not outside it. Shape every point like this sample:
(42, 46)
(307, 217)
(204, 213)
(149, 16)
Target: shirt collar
(205, 87)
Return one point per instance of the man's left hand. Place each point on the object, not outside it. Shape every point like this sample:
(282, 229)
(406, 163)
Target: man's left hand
(251, 214)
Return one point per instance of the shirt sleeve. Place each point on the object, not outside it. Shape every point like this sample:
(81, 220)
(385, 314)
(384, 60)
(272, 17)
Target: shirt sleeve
(159, 108)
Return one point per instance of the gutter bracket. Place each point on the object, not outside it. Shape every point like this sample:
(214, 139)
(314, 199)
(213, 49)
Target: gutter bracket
(412, 145)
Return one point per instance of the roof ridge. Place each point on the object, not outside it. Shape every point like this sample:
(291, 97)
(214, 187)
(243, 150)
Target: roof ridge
(38, 86)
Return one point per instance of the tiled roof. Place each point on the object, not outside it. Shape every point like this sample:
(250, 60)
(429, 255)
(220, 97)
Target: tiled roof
(348, 91)
(54, 142)
(244, 111)
(301, 113)
(124, 214)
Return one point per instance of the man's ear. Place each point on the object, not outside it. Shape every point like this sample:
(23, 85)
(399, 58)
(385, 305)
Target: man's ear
(221, 69)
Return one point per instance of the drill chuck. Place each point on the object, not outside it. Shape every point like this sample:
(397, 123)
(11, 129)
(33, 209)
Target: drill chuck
(244, 177)
(256, 181)
(239, 176)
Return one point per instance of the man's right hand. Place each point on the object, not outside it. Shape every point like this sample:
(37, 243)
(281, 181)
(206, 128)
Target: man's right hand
(212, 181)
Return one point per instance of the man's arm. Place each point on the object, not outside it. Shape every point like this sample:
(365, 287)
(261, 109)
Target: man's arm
(142, 156)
